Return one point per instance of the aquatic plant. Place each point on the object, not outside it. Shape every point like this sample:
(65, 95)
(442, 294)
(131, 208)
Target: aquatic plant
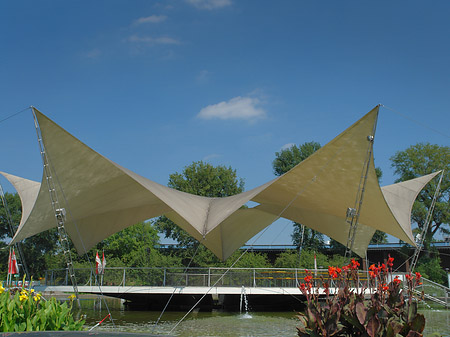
(23, 309)
(383, 307)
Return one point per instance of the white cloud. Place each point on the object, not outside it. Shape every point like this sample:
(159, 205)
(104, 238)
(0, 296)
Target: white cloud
(211, 156)
(209, 4)
(287, 146)
(92, 54)
(203, 77)
(150, 19)
(153, 40)
(236, 108)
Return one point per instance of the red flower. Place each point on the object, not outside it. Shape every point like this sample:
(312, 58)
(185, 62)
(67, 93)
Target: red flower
(354, 264)
(333, 271)
(308, 278)
(408, 277)
(390, 261)
(396, 280)
(385, 287)
(302, 287)
(418, 276)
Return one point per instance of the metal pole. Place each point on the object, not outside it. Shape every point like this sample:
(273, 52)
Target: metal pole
(60, 212)
(353, 213)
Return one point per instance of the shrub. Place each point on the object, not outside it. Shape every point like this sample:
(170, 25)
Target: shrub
(23, 309)
(346, 312)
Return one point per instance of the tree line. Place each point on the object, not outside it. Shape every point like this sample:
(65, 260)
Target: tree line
(137, 246)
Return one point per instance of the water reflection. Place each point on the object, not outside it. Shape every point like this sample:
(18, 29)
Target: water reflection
(218, 323)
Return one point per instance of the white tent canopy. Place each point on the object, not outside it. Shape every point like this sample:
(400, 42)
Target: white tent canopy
(102, 197)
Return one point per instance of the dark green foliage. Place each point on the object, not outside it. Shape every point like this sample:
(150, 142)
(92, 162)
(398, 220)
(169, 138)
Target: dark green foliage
(431, 269)
(25, 310)
(38, 249)
(419, 160)
(285, 160)
(288, 158)
(202, 179)
(290, 259)
(311, 239)
(347, 313)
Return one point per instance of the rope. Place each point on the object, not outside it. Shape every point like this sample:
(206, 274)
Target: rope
(311, 181)
(14, 114)
(416, 122)
(12, 231)
(174, 289)
(66, 203)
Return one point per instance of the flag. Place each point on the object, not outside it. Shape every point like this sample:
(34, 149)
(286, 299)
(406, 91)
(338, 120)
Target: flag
(13, 268)
(103, 263)
(98, 265)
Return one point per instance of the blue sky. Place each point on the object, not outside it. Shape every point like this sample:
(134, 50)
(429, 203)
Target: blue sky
(156, 85)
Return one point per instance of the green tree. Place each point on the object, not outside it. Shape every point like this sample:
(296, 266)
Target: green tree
(284, 161)
(135, 246)
(419, 160)
(430, 268)
(202, 179)
(311, 239)
(37, 249)
(377, 238)
(248, 260)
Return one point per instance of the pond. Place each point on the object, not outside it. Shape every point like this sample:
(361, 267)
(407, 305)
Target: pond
(219, 323)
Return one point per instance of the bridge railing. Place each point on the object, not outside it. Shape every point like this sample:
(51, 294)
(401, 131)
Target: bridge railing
(194, 277)
(435, 292)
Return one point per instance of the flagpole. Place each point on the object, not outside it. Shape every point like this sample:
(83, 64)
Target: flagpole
(9, 268)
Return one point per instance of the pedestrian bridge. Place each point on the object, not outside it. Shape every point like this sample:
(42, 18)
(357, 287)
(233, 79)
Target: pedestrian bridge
(207, 288)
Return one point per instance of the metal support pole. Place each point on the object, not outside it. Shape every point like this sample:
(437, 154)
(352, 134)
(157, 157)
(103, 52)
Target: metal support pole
(60, 212)
(428, 220)
(354, 213)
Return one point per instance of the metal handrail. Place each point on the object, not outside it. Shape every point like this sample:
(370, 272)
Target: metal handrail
(196, 276)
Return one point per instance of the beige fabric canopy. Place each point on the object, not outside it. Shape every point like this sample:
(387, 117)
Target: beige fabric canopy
(102, 197)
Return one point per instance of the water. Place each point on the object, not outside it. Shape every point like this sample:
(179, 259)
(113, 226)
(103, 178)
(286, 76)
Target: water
(244, 301)
(223, 324)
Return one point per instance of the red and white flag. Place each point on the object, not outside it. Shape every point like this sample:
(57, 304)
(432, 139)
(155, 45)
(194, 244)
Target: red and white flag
(98, 265)
(103, 263)
(13, 268)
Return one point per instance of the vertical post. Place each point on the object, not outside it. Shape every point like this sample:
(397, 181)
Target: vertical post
(209, 276)
(254, 278)
(59, 211)
(67, 276)
(123, 281)
(352, 216)
(164, 278)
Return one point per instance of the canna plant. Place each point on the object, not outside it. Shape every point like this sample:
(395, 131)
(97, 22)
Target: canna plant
(378, 309)
(23, 309)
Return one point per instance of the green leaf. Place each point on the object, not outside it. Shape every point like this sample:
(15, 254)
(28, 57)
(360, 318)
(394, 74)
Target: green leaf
(361, 312)
(418, 323)
(372, 326)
